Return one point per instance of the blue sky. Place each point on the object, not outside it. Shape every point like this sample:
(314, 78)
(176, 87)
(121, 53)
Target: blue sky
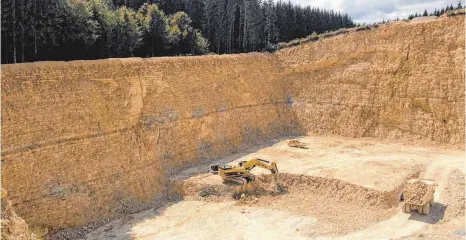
(377, 10)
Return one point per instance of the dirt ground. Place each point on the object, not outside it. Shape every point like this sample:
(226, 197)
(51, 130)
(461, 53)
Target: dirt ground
(337, 188)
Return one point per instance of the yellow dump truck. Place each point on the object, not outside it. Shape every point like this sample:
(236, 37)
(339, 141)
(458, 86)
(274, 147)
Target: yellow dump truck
(418, 194)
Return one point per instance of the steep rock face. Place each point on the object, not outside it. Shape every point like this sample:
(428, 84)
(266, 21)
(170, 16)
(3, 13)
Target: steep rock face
(88, 140)
(402, 80)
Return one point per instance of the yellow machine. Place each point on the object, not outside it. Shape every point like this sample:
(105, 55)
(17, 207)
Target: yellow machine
(241, 172)
(297, 144)
(418, 194)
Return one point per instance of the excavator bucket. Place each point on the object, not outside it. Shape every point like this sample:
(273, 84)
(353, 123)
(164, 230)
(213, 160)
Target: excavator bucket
(274, 169)
(297, 144)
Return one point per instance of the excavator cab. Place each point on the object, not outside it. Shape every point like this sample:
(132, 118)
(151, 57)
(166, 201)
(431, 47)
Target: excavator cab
(214, 168)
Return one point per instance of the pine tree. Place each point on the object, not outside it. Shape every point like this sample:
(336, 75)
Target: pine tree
(127, 34)
(170, 6)
(79, 32)
(154, 26)
(184, 39)
(231, 25)
(105, 18)
(195, 10)
(271, 31)
(459, 5)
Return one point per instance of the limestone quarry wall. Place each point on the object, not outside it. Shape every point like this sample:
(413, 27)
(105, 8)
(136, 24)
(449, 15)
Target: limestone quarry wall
(87, 140)
(401, 80)
(83, 141)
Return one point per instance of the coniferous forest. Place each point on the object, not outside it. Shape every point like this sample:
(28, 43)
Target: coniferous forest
(437, 12)
(38, 30)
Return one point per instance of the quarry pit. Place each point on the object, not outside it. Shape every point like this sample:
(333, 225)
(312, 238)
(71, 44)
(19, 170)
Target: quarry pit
(119, 148)
(320, 193)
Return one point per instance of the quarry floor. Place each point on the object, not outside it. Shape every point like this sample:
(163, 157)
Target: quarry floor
(335, 190)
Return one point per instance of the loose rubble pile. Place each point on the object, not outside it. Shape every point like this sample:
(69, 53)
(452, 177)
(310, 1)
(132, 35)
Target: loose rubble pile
(282, 183)
(14, 227)
(414, 192)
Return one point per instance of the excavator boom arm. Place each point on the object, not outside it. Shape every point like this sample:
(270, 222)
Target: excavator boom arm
(249, 165)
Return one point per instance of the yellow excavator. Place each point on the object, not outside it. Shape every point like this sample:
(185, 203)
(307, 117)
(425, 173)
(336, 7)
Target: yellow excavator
(241, 173)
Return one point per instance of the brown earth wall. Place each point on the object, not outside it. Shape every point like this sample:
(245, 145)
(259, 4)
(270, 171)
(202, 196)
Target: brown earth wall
(87, 140)
(401, 80)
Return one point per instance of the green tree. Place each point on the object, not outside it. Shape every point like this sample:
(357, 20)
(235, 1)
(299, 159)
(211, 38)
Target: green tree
(459, 5)
(271, 30)
(215, 23)
(201, 45)
(185, 39)
(8, 21)
(46, 30)
(78, 33)
(133, 4)
(154, 26)
(253, 26)
(127, 33)
(105, 19)
(196, 11)
(170, 6)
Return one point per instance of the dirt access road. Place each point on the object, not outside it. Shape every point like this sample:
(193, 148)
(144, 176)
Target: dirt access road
(337, 189)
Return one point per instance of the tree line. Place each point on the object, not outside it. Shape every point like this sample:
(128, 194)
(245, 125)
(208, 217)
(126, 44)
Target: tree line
(233, 26)
(436, 12)
(38, 30)
(423, 14)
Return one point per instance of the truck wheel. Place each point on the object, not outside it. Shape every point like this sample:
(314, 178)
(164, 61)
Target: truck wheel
(419, 209)
(426, 209)
(405, 207)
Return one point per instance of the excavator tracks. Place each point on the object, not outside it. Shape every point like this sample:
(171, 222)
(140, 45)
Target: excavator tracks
(238, 180)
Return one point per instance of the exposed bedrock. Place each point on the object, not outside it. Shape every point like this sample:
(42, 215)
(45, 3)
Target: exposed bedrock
(398, 81)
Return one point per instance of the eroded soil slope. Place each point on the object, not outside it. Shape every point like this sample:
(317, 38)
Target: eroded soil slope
(401, 80)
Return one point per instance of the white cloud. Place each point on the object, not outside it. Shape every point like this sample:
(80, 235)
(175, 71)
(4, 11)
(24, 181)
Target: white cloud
(377, 10)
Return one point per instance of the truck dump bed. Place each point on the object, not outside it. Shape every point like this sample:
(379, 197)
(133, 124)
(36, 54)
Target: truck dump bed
(419, 191)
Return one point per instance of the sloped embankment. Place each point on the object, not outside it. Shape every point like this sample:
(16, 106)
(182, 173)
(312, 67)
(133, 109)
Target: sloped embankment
(84, 141)
(398, 81)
